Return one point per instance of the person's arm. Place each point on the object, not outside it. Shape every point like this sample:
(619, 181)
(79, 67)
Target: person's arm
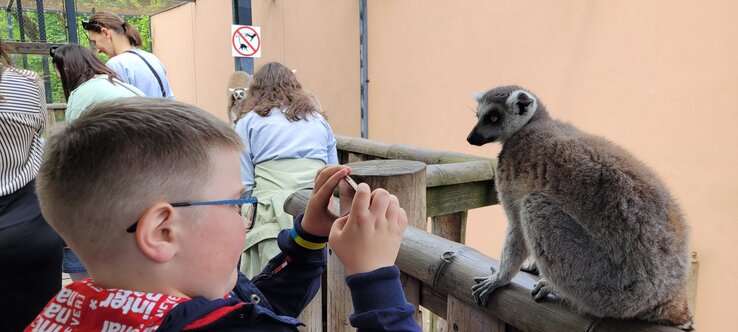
(291, 279)
(247, 161)
(332, 151)
(165, 81)
(379, 303)
(367, 242)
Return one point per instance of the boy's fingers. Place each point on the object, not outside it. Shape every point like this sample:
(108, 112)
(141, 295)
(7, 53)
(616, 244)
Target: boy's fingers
(325, 173)
(361, 199)
(380, 202)
(393, 210)
(402, 220)
(325, 185)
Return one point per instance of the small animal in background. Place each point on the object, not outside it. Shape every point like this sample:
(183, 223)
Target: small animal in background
(238, 87)
(606, 234)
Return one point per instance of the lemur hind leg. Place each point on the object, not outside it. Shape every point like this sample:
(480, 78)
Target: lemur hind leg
(574, 266)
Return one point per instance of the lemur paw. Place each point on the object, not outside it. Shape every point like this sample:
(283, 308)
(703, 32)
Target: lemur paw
(542, 290)
(484, 287)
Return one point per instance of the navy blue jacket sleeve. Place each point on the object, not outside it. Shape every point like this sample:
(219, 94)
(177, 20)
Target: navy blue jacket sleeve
(291, 279)
(379, 303)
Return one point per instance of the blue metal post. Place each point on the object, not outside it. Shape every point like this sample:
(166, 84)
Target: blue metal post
(71, 10)
(242, 16)
(364, 72)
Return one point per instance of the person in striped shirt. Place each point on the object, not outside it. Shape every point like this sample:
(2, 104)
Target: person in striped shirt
(30, 250)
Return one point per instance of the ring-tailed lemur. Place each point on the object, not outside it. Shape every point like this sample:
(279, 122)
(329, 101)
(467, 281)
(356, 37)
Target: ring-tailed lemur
(237, 89)
(605, 232)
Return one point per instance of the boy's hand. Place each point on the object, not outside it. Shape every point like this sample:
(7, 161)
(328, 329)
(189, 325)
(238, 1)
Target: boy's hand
(318, 217)
(369, 237)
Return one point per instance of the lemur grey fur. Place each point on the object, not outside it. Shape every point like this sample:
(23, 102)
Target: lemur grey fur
(605, 232)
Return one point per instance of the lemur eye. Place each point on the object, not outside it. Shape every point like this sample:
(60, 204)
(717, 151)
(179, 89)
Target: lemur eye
(493, 118)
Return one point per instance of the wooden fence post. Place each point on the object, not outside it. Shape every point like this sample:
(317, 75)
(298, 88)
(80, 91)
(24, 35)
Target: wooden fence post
(451, 227)
(466, 317)
(312, 315)
(406, 180)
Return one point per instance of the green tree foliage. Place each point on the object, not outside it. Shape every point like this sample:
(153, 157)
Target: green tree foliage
(56, 32)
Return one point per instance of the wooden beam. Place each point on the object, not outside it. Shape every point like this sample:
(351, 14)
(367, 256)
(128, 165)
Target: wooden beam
(29, 47)
(401, 151)
(461, 172)
(460, 197)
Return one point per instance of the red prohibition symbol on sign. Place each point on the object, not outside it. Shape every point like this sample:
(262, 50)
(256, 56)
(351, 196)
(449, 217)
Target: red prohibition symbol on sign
(246, 41)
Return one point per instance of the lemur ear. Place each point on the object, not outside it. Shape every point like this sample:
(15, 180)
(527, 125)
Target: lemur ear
(524, 102)
(478, 96)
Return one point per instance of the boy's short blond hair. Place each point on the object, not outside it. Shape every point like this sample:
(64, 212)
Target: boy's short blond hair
(102, 171)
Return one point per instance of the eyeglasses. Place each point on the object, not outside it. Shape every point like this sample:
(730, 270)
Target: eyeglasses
(92, 26)
(246, 207)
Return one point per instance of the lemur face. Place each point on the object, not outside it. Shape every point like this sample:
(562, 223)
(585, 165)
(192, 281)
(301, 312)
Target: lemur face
(500, 113)
(488, 128)
(238, 94)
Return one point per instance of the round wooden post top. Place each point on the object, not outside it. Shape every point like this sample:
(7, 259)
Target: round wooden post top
(379, 168)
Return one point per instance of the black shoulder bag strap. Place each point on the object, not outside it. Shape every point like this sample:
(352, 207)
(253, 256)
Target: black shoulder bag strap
(158, 79)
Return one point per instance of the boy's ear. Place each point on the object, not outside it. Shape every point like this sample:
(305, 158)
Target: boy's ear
(154, 233)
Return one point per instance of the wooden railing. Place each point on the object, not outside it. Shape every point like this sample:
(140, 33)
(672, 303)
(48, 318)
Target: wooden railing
(438, 268)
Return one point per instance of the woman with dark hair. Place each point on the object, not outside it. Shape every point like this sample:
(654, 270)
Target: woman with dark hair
(30, 250)
(86, 80)
(121, 41)
(287, 141)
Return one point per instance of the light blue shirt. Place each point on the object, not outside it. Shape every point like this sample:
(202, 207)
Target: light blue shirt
(274, 137)
(134, 71)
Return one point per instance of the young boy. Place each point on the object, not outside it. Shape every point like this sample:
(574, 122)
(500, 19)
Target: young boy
(108, 183)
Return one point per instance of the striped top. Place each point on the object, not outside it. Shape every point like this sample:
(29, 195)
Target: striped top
(22, 122)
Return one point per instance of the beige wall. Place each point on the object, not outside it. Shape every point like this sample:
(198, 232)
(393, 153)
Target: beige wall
(193, 42)
(657, 77)
(319, 38)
